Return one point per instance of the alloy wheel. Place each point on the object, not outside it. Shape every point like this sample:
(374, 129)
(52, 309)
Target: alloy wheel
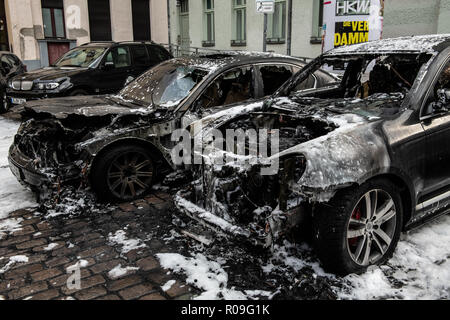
(130, 175)
(371, 227)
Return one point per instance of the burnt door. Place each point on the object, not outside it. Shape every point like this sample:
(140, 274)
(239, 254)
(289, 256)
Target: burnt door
(56, 50)
(4, 43)
(437, 128)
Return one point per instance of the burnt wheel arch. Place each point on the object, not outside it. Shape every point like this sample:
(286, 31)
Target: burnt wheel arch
(405, 192)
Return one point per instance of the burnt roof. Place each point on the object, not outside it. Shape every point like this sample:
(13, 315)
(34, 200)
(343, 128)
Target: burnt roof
(412, 44)
(222, 59)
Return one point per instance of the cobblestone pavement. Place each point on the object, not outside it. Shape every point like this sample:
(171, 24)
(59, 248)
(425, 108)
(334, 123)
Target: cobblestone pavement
(53, 245)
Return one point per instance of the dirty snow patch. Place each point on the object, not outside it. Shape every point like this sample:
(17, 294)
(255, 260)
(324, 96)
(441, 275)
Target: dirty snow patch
(127, 244)
(8, 226)
(206, 275)
(12, 261)
(51, 246)
(168, 285)
(118, 271)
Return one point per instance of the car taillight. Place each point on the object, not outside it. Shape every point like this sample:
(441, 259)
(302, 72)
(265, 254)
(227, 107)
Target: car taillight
(25, 68)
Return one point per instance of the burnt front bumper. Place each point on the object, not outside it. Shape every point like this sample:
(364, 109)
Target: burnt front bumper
(27, 172)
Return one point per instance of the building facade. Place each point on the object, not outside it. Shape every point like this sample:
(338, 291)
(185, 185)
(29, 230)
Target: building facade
(416, 17)
(40, 31)
(235, 25)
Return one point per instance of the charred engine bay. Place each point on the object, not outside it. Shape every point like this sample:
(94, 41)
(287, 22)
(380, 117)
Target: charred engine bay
(54, 146)
(240, 195)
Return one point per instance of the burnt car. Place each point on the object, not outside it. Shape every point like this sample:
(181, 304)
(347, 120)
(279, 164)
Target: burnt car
(93, 68)
(360, 161)
(10, 66)
(121, 144)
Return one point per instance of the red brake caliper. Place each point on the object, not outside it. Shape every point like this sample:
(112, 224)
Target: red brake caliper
(357, 216)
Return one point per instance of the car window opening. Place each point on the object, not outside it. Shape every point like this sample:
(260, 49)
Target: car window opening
(365, 76)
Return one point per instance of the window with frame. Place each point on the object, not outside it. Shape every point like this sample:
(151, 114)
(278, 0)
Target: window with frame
(317, 27)
(276, 23)
(53, 18)
(184, 6)
(208, 23)
(232, 87)
(140, 56)
(240, 23)
(120, 57)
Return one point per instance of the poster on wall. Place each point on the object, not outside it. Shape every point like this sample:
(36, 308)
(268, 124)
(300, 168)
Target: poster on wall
(349, 22)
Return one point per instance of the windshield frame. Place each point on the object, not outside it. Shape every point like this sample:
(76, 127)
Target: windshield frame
(93, 64)
(176, 107)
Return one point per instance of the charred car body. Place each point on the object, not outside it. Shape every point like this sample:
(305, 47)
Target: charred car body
(121, 144)
(361, 160)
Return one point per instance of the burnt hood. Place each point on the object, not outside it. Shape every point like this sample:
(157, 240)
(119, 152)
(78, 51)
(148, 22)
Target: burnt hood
(50, 73)
(88, 106)
(374, 107)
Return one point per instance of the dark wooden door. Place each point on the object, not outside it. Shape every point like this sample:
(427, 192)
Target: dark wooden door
(4, 43)
(56, 50)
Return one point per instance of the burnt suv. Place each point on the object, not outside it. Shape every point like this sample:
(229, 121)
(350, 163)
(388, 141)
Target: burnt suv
(93, 68)
(122, 143)
(359, 161)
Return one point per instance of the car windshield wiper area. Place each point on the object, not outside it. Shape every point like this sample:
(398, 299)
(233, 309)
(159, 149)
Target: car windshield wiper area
(126, 102)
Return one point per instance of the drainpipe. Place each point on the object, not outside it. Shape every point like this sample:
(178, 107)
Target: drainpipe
(289, 28)
(168, 26)
(265, 33)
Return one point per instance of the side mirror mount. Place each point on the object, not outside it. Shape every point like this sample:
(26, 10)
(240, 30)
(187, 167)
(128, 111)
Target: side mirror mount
(108, 66)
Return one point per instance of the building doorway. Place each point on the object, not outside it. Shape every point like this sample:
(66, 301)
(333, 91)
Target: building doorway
(4, 42)
(56, 51)
(184, 39)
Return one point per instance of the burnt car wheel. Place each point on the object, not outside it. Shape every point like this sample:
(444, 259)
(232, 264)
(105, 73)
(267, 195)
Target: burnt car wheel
(361, 227)
(124, 174)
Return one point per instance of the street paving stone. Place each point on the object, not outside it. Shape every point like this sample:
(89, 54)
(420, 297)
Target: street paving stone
(52, 246)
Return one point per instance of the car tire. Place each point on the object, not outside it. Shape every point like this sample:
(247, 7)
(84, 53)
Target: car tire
(346, 239)
(4, 105)
(79, 92)
(124, 173)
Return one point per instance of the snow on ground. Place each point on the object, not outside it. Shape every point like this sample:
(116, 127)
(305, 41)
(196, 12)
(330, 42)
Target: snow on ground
(12, 261)
(120, 238)
(118, 271)
(420, 268)
(168, 285)
(51, 246)
(13, 196)
(206, 275)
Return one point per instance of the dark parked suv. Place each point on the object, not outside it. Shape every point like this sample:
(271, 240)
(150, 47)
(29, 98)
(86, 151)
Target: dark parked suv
(10, 66)
(93, 68)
